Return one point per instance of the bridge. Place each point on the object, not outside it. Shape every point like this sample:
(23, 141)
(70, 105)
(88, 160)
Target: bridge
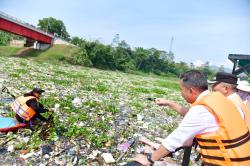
(36, 37)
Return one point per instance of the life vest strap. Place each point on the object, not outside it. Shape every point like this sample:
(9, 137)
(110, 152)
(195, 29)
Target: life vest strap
(227, 146)
(222, 158)
(224, 141)
(209, 164)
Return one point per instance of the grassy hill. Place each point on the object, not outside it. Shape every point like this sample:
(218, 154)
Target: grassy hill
(8, 51)
(53, 54)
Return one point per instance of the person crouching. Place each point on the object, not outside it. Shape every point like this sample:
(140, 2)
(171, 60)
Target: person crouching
(28, 108)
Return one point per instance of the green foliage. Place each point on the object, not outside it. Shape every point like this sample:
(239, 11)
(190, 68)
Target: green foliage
(181, 67)
(112, 108)
(154, 62)
(54, 54)
(140, 90)
(103, 95)
(171, 112)
(206, 69)
(15, 75)
(101, 56)
(122, 57)
(8, 50)
(100, 87)
(158, 91)
(77, 41)
(169, 127)
(35, 141)
(4, 38)
(166, 84)
(80, 58)
(54, 26)
(20, 146)
(10, 114)
(49, 101)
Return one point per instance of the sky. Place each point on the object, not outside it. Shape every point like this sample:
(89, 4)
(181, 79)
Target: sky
(203, 30)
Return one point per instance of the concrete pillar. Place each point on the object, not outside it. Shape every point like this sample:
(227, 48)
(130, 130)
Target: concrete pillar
(29, 43)
(41, 46)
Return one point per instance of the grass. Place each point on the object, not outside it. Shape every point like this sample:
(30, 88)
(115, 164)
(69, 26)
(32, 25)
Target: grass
(8, 50)
(171, 84)
(140, 90)
(53, 54)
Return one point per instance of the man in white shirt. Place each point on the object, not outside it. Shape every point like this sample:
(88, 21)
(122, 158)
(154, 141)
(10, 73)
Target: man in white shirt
(243, 90)
(209, 119)
(196, 121)
(226, 84)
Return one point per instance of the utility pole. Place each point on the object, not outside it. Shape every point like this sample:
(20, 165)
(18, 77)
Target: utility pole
(115, 41)
(171, 45)
(47, 26)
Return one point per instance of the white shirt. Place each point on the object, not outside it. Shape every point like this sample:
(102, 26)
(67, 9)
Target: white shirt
(230, 97)
(198, 120)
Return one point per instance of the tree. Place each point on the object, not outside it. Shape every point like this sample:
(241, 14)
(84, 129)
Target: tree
(140, 55)
(123, 57)
(4, 38)
(167, 56)
(120, 56)
(101, 56)
(54, 26)
(206, 69)
(115, 41)
(80, 58)
(77, 41)
(181, 67)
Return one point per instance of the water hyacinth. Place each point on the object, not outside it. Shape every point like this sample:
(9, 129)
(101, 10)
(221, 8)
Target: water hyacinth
(93, 111)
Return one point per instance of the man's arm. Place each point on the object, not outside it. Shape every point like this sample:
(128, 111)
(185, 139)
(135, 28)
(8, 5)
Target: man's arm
(38, 107)
(39, 116)
(177, 107)
(159, 153)
(198, 120)
(148, 142)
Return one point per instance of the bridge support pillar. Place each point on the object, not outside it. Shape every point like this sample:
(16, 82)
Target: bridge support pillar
(29, 43)
(41, 46)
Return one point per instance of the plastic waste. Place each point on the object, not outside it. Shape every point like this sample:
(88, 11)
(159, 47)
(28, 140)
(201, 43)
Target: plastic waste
(46, 149)
(124, 146)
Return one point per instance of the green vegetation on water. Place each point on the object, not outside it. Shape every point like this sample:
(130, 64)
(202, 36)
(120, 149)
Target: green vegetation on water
(100, 91)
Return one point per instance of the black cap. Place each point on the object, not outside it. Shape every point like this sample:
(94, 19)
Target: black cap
(224, 77)
(37, 90)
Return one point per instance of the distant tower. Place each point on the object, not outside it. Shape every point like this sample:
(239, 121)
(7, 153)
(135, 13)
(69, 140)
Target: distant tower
(170, 53)
(115, 41)
(171, 45)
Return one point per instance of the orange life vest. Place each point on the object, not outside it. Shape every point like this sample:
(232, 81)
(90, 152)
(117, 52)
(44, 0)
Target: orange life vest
(248, 104)
(20, 107)
(246, 111)
(230, 144)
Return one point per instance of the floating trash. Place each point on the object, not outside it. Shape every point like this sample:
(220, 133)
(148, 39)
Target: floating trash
(124, 146)
(6, 100)
(46, 149)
